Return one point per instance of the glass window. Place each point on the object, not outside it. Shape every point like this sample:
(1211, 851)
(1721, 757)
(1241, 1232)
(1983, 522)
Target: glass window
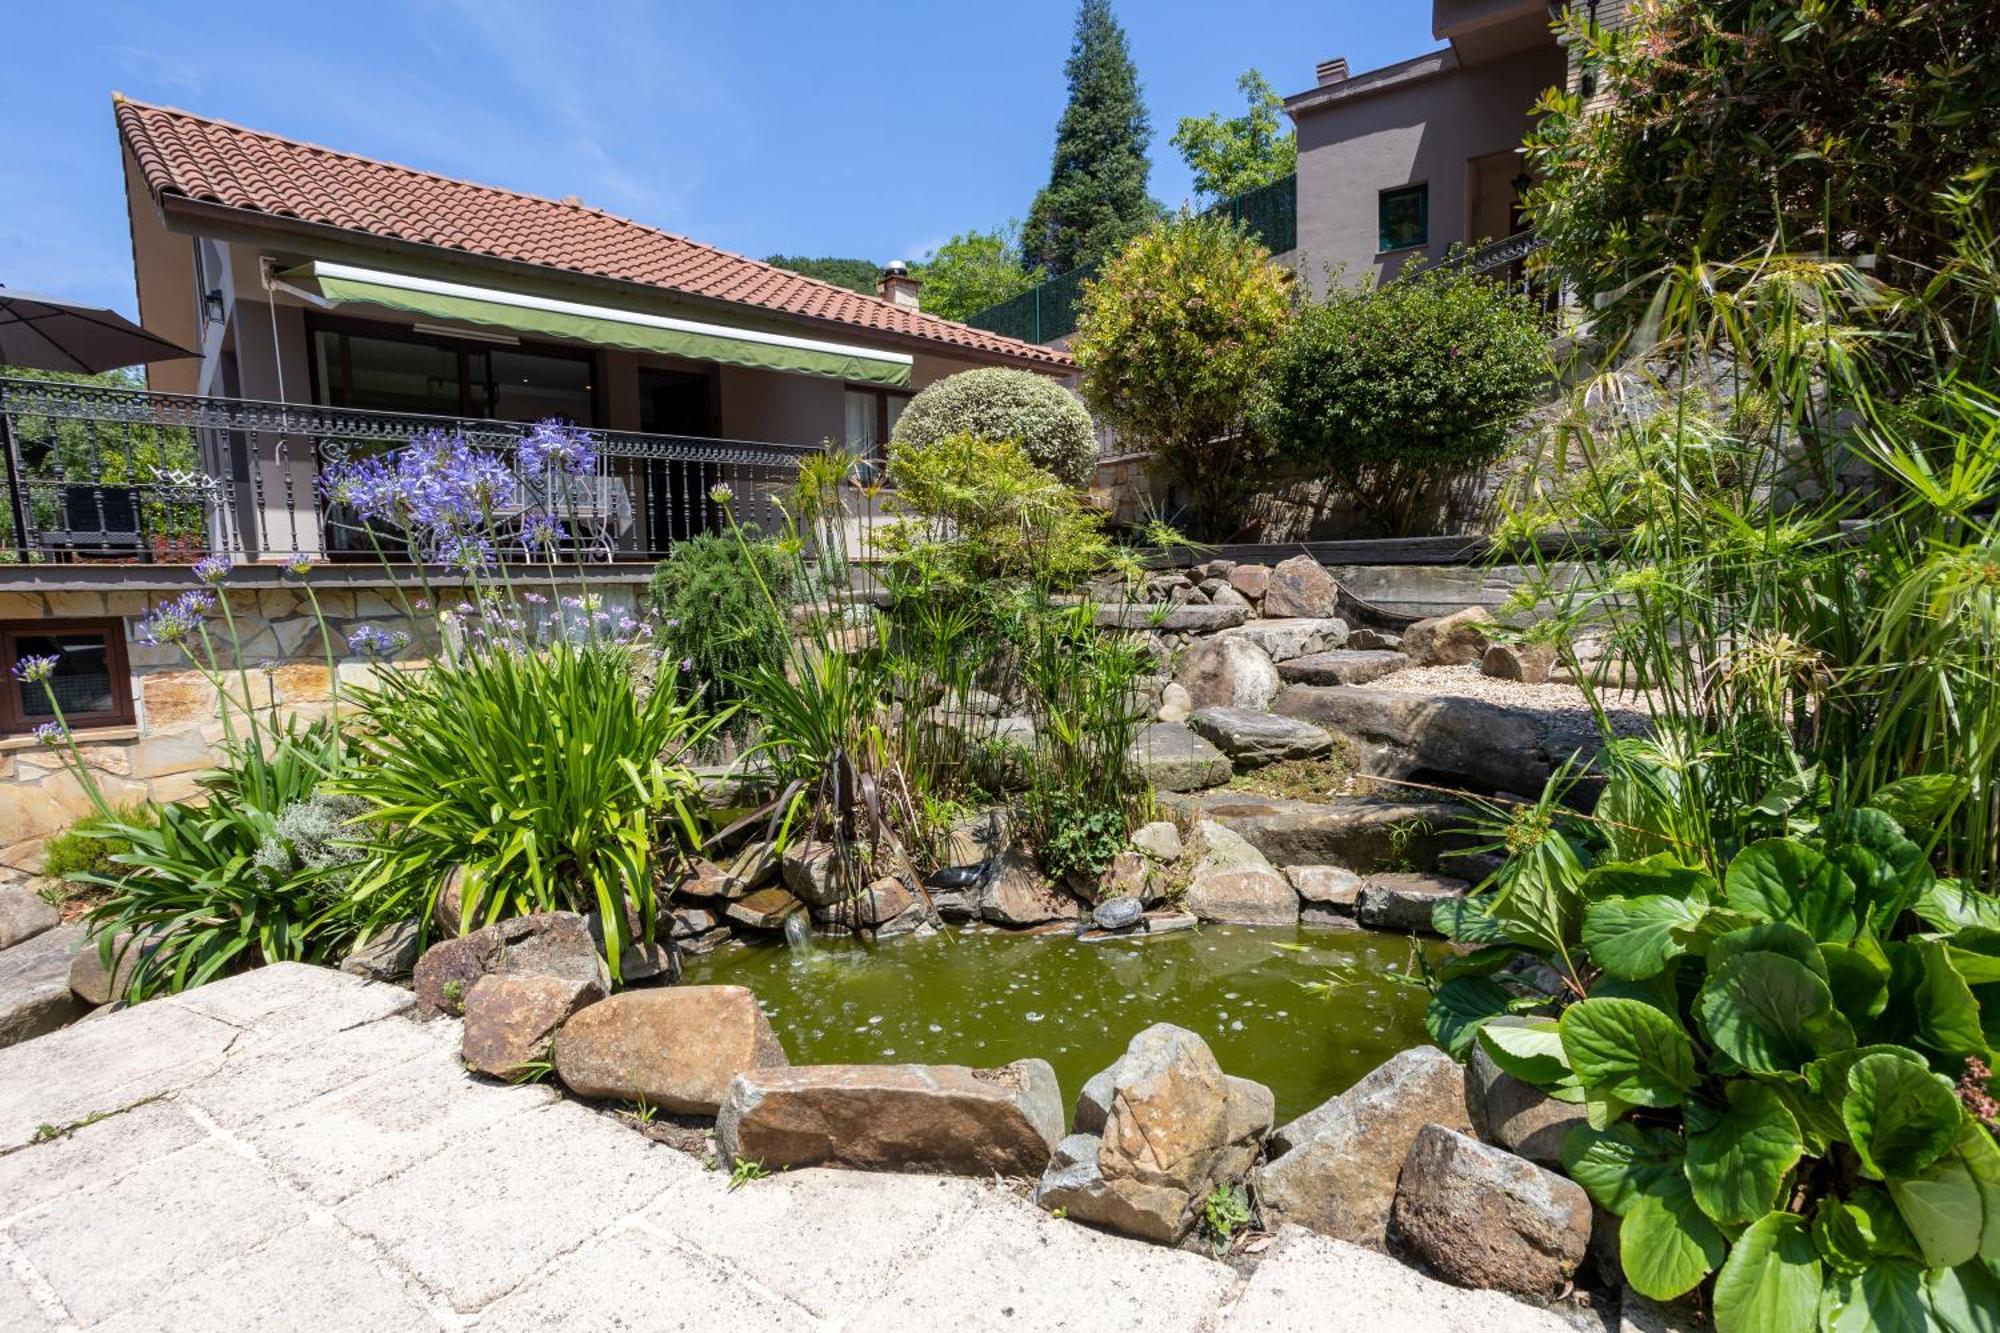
(528, 386)
(453, 378)
(390, 375)
(861, 424)
(90, 681)
(1405, 217)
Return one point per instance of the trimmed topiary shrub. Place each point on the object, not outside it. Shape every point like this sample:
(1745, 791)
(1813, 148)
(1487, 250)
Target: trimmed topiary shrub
(1037, 413)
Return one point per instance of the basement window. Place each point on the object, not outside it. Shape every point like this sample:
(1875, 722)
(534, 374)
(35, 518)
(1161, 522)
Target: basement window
(92, 682)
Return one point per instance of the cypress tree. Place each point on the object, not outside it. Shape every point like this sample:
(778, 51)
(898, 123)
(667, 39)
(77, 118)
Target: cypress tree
(1096, 197)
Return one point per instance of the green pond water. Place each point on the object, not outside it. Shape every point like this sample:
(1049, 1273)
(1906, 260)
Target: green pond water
(984, 997)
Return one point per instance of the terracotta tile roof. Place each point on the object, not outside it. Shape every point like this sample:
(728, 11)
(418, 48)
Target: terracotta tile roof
(215, 162)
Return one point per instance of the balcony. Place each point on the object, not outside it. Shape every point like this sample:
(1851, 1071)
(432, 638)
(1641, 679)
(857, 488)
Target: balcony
(122, 477)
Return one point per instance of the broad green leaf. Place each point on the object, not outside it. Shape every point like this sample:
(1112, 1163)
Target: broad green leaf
(1771, 1281)
(1479, 963)
(1454, 1015)
(1767, 937)
(1737, 1160)
(1666, 1246)
(1858, 976)
(1982, 1160)
(1770, 1013)
(1975, 955)
(1966, 1299)
(1888, 869)
(1853, 1232)
(1618, 1165)
(1787, 794)
(1542, 904)
(1914, 802)
(1661, 873)
(1628, 1050)
(1926, 991)
(1886, 1297)
(1469, 920)
(1634, 937)
(1943, 1209)
(1949, 905)
(1782, 880)
(1658, 992)
(1899, 1115)
(1530, 1049)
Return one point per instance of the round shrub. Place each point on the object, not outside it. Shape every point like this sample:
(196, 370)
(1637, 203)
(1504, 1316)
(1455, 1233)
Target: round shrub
(1034, 411)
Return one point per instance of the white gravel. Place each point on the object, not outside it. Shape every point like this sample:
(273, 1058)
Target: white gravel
(1629, 713)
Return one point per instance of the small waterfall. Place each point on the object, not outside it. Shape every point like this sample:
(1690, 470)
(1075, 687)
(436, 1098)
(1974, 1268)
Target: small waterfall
(798, 932)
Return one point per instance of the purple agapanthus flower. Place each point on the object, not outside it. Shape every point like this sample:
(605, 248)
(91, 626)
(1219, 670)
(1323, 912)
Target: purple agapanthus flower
(541, 532)
(468, 552)
(213, 569)
(175, 621)
(375, 641)
(435, 485)
(52, 733)
(34, 670)
(553, 445)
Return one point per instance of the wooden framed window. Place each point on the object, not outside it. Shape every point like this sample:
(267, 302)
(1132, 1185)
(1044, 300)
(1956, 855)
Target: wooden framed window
(1404, 216)
(92, 680)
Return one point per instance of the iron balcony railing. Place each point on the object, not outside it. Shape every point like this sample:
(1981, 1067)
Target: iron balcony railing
(100, 473)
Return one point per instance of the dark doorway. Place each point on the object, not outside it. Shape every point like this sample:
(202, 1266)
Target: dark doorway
(677, 402)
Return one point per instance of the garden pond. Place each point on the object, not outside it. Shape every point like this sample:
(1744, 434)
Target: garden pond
(1305, 1011)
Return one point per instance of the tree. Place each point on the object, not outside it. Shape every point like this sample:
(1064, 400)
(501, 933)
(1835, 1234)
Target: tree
(1392, 391)
(1096, 197)
(1724, 127)
(1243, 152)
(857, 275)
(1173, 339)
(974, 270)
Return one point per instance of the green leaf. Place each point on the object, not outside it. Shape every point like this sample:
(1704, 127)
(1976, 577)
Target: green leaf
(1982, 1159)
(1783, 880)
(1530, 1049)
(1767, 937)
(1886, 1297)
(1950, 905)
(1771, 1014)
(1666, 1246)
(1966, 1299)
(1454, 1015)
(1634, 937)
(1915, 802)
(1975, 955)
(1926, 989)
(1858, 976)
(1469, 920)
(1853, 1232)
(1943, 1209)
(1771, 1281)
(1616, 1166)
(1628, 1050)
(1899, 1115)
(1889, 871)
(1737, 1161)
(1660, 873)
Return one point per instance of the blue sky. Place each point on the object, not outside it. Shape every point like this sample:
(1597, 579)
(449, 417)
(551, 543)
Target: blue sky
(872, 128)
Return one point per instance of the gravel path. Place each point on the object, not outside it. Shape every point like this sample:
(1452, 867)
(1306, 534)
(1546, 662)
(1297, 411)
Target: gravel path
(1629, 713)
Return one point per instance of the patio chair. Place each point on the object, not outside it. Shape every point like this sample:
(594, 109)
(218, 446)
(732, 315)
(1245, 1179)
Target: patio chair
(97, 520)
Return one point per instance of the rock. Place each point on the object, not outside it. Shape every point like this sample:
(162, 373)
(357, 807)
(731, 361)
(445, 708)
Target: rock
(875, 906)
(1482, 1217)
(707, 941)
(1220, 848)
(1404, 900)
(1346, 831)
(1513, 1113)
(1172, 758)
(946, 1119)
(766, 909)
(706, 879)
(1334, 1169)
(1231, 673)
(35, 994)
(639, 959)
(1157, 1132)
(1345, 667)
(1243, 898)
(981, 837)
(1218, 569)
(1451, 640)
(675, 1048)
(1301, 586)
(755, 864)
(1253, 738)
(510, 1021)
(1118, 913)
(1365, 639)
(1170, 922)
(94, 982)
(23, 915)
(691, 921)
(1528, 663)
(554, 944)
(1289, 637)
(1452, 739)
(1250, 580)
(1224, 594)
(1175, 704)
(1017, 893)
(1185, 618)
(1158, 839)
(390, 954)
(1130, 875)
(1327, 918)
(1326, 886)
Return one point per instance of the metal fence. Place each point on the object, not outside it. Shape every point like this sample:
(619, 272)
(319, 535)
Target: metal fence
(98, 473)
(1049, 311)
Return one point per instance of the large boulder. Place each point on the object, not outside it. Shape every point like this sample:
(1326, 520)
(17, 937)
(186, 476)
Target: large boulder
(766, 909)
(1243, 898)
(675, 1049)
(1512, 1112)
(1157, 1132)
(1017, 893)
(1333, 887)
(96, 981)
(946, 1119)
(816, 873)
(1158, 839)
(1253, 738)
(510, 1021)
(1404, 900)
(1170, 757)
(1334, 1169)
(24, 915)
(1228, 673)
(1186, 617)
(1346, 666)
(1301, 586)
(1288, 637)
(1347, 831)
(35, 995)
(1451, 739)
(1481, 1217)
(1451, 640)
(1528, 663)
(1251, 581)
(553, 944)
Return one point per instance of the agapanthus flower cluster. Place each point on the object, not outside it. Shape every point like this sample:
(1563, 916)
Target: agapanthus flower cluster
(434, 486)
(34, 670)
(553, 445)
(300, 567)
(52, 733)
(177, 621)
(541, 532)
(376, 641)
(467, 552)
(213, 569)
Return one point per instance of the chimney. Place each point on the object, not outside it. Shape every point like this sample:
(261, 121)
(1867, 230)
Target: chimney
(897, 287)
(1331, 71)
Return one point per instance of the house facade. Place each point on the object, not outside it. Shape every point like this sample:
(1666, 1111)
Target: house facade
(341, 306)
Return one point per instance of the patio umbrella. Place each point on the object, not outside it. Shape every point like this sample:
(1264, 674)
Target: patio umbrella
(47, 334)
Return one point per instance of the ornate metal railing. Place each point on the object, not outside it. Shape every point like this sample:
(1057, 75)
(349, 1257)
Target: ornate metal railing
(101, 473)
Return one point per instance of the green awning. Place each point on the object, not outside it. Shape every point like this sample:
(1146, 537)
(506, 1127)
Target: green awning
(605, 326)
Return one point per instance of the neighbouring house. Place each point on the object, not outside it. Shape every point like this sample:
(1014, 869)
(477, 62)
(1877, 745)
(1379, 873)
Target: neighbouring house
(341, 305)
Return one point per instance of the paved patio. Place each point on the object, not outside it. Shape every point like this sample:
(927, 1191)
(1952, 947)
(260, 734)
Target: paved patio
(288, 1150)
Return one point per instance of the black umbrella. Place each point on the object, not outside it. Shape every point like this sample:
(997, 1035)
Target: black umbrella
(48, 334)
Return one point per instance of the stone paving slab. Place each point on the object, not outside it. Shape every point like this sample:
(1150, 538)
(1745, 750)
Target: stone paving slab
(289, 1150)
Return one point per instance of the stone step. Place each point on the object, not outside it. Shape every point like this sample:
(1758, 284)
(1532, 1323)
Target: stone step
(1344, 666)
(35, 997)
(1363, 833)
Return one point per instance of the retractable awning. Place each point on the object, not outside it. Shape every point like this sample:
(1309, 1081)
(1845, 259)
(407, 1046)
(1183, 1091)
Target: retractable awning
(517, 312)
